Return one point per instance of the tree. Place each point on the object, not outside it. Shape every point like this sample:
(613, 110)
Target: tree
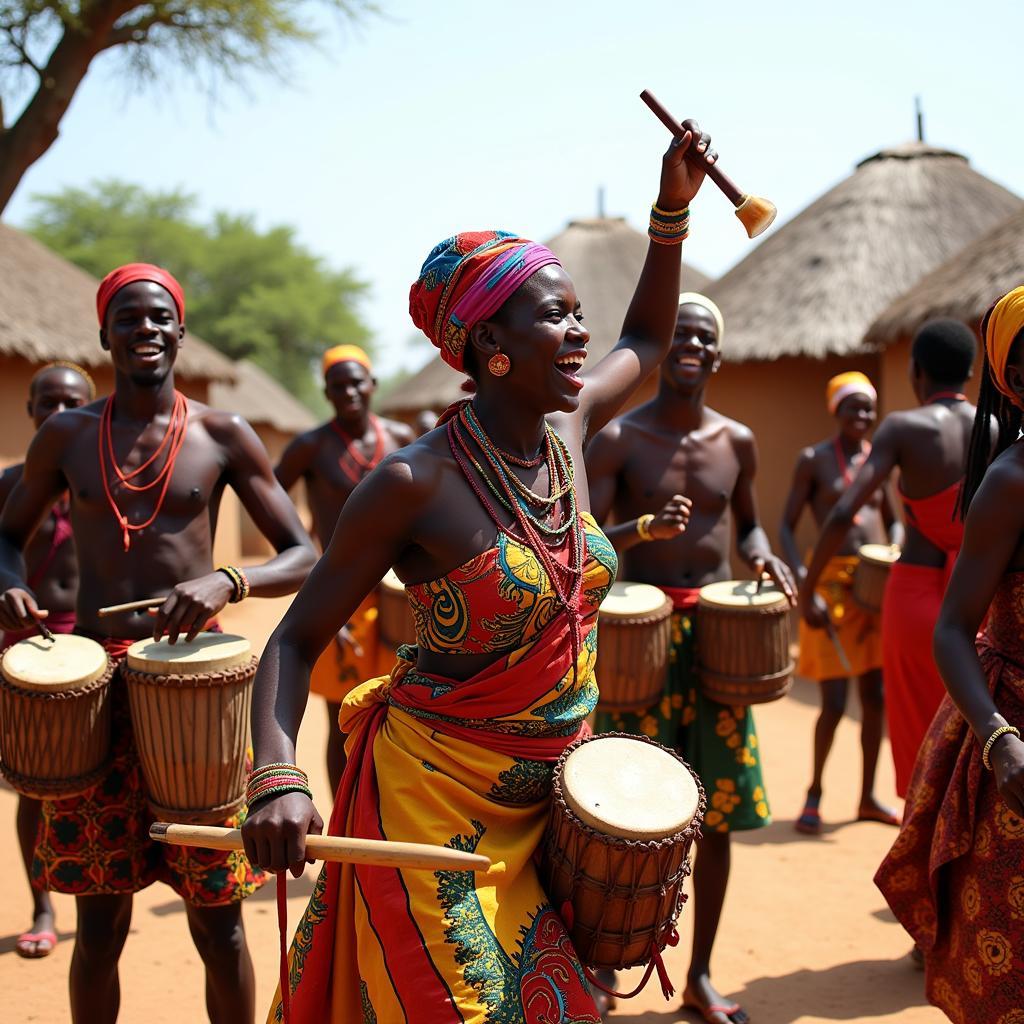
(252, 294)
(46, 47)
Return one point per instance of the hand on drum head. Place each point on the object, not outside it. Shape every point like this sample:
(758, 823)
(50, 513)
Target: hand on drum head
(813, 609)
(190, 606)
(275, 833)
(778, 572)
(672, 519)
(18, 609)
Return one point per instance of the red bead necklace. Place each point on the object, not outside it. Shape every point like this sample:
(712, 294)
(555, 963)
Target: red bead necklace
(353, 463)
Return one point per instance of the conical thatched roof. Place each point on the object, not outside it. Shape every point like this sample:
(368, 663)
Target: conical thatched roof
(48, 311)
(962, 288)
(257, 397)
(604, 256)
(814, 287)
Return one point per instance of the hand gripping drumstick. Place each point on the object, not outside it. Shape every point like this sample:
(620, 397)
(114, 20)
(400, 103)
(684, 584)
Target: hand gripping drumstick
(383, 853)
(755, 214)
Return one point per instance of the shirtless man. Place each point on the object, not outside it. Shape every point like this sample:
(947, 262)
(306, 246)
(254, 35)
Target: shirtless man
(929, 447)
(851, 646)
(332, 459)
(640, 466)
(53, 573)
(135, 542)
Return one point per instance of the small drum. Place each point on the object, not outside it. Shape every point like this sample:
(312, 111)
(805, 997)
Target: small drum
(635, 630)
(55, 715)
(397, 625)
(743, 642)
(190, 712)
(624, 814)
(872, 573)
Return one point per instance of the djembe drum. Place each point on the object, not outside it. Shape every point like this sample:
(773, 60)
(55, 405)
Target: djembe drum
(634, 633)
(872, 574)
(743, 642)
(624, 814)
(190, 714)
(394, 616)
(55, 715)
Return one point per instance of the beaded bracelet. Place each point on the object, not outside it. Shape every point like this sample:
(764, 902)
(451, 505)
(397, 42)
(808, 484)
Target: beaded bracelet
(668, 227)
(275, 780)
(990, 742)
(643, 526)
(239, 579)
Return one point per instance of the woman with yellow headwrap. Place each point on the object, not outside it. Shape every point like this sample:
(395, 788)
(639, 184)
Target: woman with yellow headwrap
(954, 877)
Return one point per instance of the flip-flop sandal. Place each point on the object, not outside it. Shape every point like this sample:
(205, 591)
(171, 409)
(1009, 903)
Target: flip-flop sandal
(36, 937)
(706, 1012)
(809, 822)
(882, 817)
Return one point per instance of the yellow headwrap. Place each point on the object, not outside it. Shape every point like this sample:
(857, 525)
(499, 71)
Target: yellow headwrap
(842, 385)
(346, 354)
(702, 300)
(1005, 321)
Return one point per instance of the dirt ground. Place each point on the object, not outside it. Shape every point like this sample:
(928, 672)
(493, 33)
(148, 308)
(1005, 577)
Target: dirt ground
(806, 937)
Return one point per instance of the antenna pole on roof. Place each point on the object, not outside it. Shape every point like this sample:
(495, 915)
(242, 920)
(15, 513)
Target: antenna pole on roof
(600, 201)
(920, 118)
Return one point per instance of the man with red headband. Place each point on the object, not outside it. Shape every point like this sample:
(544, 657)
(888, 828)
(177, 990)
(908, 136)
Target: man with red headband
(145, 470)
(332, 460)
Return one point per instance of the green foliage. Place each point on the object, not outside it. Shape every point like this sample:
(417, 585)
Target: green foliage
(252, 294)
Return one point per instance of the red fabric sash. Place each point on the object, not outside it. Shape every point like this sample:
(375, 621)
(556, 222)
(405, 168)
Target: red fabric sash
(683, 598)
(61, 535)
(933, 517)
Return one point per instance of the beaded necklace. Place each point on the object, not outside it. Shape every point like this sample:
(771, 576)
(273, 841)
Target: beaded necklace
(173, 439)
(953, 396)
(352, 454)
(846, 468)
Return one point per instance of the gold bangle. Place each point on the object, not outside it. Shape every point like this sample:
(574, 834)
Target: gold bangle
(987, 749)
(643, 526)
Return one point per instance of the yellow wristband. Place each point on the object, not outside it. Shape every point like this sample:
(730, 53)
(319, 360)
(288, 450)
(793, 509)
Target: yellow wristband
(643, 526)
(990, 742)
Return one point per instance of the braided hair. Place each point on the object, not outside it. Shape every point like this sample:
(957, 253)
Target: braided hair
(992, 404)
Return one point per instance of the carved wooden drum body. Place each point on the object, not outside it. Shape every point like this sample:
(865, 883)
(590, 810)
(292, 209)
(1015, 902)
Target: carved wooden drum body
(394, 616)
(55, 715)
(872, 574)
(190, 714)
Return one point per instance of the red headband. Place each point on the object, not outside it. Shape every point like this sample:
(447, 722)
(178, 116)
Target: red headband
(129, 274)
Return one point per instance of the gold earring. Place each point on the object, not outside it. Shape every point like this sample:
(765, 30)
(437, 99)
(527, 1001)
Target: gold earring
(499, 364)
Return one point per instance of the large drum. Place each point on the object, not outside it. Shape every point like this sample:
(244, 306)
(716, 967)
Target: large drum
(872, 573)
(743, 642)
(190, 712)
(635, 631)
(55, 715)
(624, 814)
(397, 625)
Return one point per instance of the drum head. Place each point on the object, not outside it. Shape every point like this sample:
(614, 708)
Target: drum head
(879, 554)
(629, 600)
(622, 786)
(392, 582)
(209, 652)
(64, 663)
(741, 594)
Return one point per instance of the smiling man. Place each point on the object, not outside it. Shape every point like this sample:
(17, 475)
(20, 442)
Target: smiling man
(145, 471)
(332, 459)
(640, 466)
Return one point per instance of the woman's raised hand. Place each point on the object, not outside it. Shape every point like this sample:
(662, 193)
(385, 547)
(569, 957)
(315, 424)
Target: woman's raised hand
(681, 178)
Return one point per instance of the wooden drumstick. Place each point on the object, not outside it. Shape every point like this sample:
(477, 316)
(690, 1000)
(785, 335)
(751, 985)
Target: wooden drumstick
(131, 606)
(385, 853)
(755, 214)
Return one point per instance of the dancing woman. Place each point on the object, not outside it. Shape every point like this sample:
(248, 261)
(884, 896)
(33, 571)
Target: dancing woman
(485, 519)
(954, 877)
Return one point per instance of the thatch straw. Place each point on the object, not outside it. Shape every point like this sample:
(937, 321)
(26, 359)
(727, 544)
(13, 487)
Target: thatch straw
(257, 397)
(814, 287)
(962, 288)
(604, 257)
(48, 311)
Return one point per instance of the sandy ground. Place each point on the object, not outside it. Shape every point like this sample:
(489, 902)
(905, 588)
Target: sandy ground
(805, 938)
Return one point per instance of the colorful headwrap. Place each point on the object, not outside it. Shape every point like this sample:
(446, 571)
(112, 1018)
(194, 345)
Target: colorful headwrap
(696, 299)
(64, 364)
(1003, 324)
(466, 279)
(345, 354)
(129, 274)
(842, 385)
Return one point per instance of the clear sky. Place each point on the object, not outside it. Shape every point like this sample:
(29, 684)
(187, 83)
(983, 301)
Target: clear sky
(464, 114)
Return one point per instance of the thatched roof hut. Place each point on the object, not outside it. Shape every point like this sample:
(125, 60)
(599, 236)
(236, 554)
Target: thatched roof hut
(962, 288)
(48, 311)
(815, 286)
(604, 256)
(259, 398)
